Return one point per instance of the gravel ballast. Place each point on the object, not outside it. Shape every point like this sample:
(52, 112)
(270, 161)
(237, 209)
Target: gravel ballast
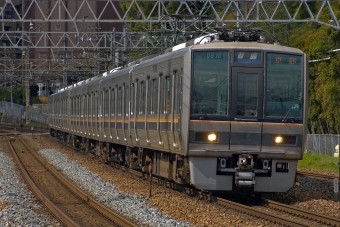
(105, 192)
(18, 205)
(311, 194)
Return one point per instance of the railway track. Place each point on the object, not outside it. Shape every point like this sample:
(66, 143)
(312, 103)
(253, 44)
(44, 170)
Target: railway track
(318, 218)
(66, 202)
(288, 215)
(281, 213)
(17, 129)
(317, 175)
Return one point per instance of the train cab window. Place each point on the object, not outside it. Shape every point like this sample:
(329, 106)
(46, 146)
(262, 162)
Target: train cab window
(247, 90)
(209, 83)
(167, 95)
(284, 85)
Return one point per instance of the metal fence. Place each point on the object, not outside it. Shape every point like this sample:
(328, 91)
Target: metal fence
(322, 143)
(15, 113)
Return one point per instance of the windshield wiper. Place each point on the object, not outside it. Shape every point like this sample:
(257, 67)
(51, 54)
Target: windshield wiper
(285, 118)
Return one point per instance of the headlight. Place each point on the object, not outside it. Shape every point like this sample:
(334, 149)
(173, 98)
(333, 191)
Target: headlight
(278, 139)
(206, 137)
(284, 140)
(212, 137)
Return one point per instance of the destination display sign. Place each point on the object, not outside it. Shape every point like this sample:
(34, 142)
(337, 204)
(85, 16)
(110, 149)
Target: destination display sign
(284, 59)
(213, 55)
(252, 57)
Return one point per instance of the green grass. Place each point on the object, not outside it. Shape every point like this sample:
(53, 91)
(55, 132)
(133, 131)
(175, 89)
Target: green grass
(319, 162)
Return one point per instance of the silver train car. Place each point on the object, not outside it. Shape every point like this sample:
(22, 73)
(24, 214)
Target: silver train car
(220, 116)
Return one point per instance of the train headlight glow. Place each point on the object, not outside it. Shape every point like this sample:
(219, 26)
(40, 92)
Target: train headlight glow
(206, 137)
(212, 137)
(278, 139)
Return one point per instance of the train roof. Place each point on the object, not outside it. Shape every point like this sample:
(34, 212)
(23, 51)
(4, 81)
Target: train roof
(247, 45)
(230, 38)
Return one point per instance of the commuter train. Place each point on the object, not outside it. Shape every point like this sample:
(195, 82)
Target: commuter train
(220, 113)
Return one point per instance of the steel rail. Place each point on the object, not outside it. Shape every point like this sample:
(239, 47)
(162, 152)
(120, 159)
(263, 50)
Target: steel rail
(265, 215)
(303, 213)
(316, 175)
(227, 203)
(242, 208)
(119, 220)
(59, 214)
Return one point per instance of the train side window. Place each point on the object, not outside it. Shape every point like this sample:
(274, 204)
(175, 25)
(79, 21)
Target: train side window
(132, 100)
(161, 91)
(97, 104)
(142, 97)
(102, 104)
(82, 98)
(137, 98)
(126, 99)
(175, 87)
(106, 100)
(179, 91)
(72, 109)
(153, 96)
(80, 106)
(112, 100)
(83, 106)
(75, 106)
(167, 95)
(90, 106)
(93, 105)
(119, 102)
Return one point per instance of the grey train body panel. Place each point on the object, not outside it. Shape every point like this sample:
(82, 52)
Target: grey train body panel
(204, 115)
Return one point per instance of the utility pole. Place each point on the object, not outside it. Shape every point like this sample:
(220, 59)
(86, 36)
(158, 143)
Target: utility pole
(28, 67)
(27, 84)
(11, 83)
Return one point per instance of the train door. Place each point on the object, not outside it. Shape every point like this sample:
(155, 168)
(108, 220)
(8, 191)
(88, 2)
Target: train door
(246, 108)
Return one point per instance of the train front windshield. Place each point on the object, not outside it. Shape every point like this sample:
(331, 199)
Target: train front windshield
(209, 92)
(282, 84)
